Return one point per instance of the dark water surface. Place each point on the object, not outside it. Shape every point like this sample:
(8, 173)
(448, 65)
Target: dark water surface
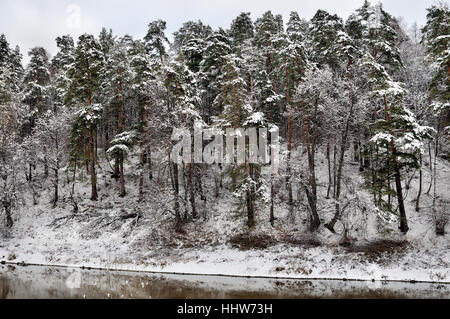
(56, 282)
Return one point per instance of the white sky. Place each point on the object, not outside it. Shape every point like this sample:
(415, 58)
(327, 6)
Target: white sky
(30, 23)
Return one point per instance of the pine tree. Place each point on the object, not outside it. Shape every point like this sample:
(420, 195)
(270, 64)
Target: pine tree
(192, 52)
(375, 31)
(11, 71)
(376, 34)
(190, 30)
(231, 100)
(155, 39)
(398, 131)
(142, 81)
(120, 147)
(181, 85)
(37, 80)
(9, 169)
(296, 27)
(4, 50)
(324, 31)
(60, 65)
(243, 46)
(266, 29)
(36, 92)
(242, 29)
(214, 57)
(106, 40)
(436, 34)
(117, 84)
(84, 71)
(236, 112)
(292, 64)
(267, 99)
(83, 92)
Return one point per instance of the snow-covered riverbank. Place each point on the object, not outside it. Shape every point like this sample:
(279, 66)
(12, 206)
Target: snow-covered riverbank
(126, 234)
(277, 262)
(382, 260)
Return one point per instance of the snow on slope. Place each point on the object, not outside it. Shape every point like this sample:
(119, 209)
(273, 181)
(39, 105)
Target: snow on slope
(98, 238)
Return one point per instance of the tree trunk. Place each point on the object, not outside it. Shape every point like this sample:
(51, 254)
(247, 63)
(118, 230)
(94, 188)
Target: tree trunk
(289, 149)
(216, 187)
(431, 169)
(367, 155)
(356, 151)
(436, 153)
(337, 213)
(420, 185)
(96, 142)
(361, 154)
(220, 176)
(334, 170)
(73, 180)
(9, 220)
(55, 199)
(272, 215)
(311, 193)
(150, 164)
(72, 191)
(398, 185)
(45, 164)
(434, 176)
(329, 171)
(198, 179)
(249, 200)
(142, 156)
(121, 155)
(176, 191)
(377, 187)
(288, 166)
(388, 179)
(186, 191)
(30, 177)
(141, 186)
(191, 191)
(94, 195)
(141, 176)
(148, 157)
(375, 179)
(312, 202)
(122, 177)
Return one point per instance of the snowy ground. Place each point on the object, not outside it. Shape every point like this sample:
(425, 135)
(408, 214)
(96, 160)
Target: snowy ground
(218, 242)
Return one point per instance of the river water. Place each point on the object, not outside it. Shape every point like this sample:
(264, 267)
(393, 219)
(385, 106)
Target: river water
(58, 282)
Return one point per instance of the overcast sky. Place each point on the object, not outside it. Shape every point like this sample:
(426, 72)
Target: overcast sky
(38, 22)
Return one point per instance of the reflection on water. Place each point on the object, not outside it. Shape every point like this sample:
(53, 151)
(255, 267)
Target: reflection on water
(54, 282)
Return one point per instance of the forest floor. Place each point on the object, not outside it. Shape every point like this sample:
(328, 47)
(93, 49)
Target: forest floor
(128, 234)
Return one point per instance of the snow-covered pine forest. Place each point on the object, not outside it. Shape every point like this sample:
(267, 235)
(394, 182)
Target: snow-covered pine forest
(363, 110)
